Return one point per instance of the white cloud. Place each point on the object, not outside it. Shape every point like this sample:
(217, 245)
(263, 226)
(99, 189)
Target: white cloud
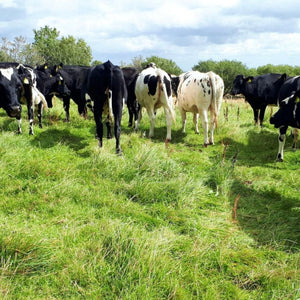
(253, 31)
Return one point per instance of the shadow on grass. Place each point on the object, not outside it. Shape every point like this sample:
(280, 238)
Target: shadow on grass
(51, 137)
(268, 216)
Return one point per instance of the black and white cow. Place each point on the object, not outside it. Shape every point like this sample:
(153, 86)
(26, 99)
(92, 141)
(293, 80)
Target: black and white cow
(287, 115)
(200, 93)
(130, 76)
(10, 93)
(107, 90)
(75, 78)
(153, 90)
(30, 94)
(259, 91)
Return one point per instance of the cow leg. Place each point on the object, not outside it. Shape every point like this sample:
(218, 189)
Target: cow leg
(130, 121)
(262, 115)
(117, 134)
(30, 118)
(204, 121)
(19, 121)
(108, 127)
(99, 125)
(196, 119)
(183, 119)
(137, 122)
(255, 112)
(136, 112)
(152, 118)
(295, 138)
(40, 113)
(212, 128)
(281, 141)
(66, 103)
(169, 123)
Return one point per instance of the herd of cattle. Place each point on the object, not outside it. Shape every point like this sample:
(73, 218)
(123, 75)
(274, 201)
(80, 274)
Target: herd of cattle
(105, 89)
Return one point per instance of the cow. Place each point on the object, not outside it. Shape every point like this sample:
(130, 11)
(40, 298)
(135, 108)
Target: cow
(153, 90)
(75, 78)
(130, 76)
(288, 114)
(30, 95)
(49, 85)
(107, 90)
(10, 93)
(259, 91)
(200, 93)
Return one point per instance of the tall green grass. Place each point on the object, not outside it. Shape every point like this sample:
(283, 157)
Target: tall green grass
(175, 221)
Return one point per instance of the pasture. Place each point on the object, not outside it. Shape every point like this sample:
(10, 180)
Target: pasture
(175, 221)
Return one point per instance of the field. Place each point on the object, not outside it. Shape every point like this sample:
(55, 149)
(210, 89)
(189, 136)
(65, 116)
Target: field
(175, 221)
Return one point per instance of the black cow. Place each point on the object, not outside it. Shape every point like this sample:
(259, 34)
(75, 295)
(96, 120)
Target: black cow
(130, 76)
(259, 91)
(10, 93)
(75, 78)
(107, 89)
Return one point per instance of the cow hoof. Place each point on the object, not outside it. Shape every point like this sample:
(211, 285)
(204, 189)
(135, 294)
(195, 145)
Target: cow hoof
(205, 145)
(279, 160)
(119, 152)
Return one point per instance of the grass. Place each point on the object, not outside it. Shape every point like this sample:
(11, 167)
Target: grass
(175, 221)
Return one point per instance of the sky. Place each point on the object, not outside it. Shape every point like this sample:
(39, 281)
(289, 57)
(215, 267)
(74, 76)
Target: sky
(253, 32)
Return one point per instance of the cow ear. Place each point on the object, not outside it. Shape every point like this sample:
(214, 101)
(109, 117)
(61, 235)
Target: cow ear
(249, 79)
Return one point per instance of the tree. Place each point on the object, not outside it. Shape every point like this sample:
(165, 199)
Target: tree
(47, 43)
(166, 64)
(66, 50)
(226, 69)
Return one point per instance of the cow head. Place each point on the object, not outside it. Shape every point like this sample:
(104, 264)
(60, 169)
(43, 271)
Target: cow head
(288, 113)
(58, 86)
(239, 84)
(10, 91)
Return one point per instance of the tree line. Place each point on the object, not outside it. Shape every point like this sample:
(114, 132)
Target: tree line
(49, 47)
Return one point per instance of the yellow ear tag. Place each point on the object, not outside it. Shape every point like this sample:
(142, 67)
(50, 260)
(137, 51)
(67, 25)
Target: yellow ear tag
(59, 67)
(45, 67)
(59, 83)
(50, 75)
(249, 80)
(297, 100)
(26, 81)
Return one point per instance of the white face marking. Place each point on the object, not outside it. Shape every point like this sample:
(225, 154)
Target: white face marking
(7, 72)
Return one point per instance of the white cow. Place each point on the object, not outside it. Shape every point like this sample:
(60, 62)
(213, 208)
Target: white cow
(200, 93)
(153, 90)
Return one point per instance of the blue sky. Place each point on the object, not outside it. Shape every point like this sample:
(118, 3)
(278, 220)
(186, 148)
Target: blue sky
(253, 32)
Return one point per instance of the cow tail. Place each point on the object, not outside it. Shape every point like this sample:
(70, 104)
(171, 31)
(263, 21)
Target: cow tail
(214, 97)
(41, 98)
(170, 105)
(45, 104)
(109, 67)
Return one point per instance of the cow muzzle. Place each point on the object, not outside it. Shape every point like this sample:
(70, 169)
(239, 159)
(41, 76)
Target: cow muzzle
(14, 111)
